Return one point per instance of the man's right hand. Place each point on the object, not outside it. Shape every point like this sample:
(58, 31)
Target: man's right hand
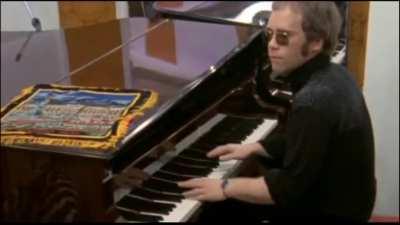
(234, 151)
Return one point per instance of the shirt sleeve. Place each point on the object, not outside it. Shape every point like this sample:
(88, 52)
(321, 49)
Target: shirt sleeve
(307, 134)
(274, 144)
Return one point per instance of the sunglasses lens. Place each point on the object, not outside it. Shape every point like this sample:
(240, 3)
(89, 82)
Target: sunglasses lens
(282, 39)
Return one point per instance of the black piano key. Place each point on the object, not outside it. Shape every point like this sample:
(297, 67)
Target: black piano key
(229, 133)
(186, 170)
(204, 146)
(245, 130)
(189, 161)
(156, 195)
(208, 146)
(141, 205)
(135, 216)
(196, 154)
(235, 131)
(184, 176)
(225, 127)
(209, 161)
(219, 139)
(224, 138)
(162, 186)
(233, 123)
(171, 176)
(177, 161)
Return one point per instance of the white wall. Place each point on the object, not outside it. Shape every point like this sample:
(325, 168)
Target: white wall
(15, 17)
(122, 9)
(381, 89)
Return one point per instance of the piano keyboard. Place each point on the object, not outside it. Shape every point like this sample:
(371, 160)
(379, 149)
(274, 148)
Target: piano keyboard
(339, 54)
(160, 199)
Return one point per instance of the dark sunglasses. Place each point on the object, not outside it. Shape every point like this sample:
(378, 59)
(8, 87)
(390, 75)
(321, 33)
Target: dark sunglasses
(281, 37)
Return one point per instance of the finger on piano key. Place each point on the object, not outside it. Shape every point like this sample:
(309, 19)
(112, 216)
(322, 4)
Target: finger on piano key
(195, 154)
(156, 184)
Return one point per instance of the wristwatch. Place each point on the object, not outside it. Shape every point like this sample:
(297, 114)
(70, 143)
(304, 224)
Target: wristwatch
(223, 186)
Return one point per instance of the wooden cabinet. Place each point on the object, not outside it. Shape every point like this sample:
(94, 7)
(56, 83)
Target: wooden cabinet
(357, 39)
(82, 13)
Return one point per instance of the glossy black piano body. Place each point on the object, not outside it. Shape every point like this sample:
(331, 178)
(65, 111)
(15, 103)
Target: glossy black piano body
(249, 13)
(193, 66)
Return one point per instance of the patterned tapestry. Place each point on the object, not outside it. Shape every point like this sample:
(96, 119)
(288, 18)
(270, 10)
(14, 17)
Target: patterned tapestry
(70, 116)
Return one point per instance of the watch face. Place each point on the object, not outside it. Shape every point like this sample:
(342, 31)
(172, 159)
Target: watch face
(223, 187)
(224, 183)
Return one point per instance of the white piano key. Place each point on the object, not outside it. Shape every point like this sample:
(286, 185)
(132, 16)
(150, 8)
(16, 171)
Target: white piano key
(339, 55)
(184, 143)
(185, 209)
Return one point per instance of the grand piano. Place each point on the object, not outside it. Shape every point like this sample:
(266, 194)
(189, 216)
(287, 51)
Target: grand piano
(195, 67)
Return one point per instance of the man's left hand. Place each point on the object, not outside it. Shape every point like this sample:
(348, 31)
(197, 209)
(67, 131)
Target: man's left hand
(203, 189)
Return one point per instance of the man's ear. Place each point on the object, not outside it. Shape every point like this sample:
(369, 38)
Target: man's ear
(315, 46)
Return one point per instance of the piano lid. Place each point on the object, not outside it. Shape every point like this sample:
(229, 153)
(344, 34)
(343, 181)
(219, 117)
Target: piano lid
(253, 13)
(48, 56)
(168, 56)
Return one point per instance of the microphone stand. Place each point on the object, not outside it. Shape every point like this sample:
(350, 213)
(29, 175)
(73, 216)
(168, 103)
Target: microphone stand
(35, 21)
(36, 25)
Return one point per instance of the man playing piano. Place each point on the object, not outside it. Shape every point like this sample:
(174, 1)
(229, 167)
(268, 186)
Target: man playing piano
(326, 148)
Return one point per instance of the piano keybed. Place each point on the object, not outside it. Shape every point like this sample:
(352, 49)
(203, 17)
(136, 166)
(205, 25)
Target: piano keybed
(159, 199)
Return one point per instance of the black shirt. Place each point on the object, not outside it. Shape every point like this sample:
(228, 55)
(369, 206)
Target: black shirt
(326, 147)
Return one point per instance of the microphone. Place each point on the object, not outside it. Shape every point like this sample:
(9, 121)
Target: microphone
(35, 21)
(36, 25)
